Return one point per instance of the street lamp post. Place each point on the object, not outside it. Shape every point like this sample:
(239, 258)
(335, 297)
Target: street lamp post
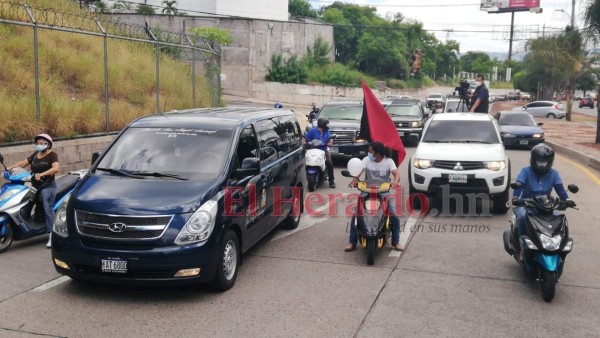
(571, 16)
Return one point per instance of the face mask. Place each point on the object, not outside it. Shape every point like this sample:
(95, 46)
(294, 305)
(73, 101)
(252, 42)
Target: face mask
(371, 156)
(478, 83)
(41, 147)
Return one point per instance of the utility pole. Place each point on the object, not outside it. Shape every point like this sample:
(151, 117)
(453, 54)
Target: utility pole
(573, 15)
(512, 30)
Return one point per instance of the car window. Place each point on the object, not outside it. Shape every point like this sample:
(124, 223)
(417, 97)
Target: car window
(461, 131)
(454, 106)
(247, 145)
(268, 140)
(290, 137)
(516, 120)
(404, 110)
(546, 104)
(342, 112)
(534, 105)
(170, 151)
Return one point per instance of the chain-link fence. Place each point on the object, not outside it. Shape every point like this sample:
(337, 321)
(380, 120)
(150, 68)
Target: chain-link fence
(87, 75)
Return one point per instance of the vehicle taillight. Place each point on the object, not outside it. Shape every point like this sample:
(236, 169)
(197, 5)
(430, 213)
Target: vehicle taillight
(557, 107)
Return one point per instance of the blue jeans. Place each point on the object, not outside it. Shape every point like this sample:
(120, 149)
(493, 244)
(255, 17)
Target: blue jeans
(47, 196)
(394, 222)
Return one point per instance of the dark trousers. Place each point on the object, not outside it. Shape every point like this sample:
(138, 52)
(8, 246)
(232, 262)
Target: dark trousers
(329, 165)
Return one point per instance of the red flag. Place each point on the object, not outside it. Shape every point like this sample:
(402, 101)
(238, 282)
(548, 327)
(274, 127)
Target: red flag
(377, 125)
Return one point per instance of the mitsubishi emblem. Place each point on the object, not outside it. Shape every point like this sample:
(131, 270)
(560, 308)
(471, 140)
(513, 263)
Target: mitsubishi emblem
(458, 166)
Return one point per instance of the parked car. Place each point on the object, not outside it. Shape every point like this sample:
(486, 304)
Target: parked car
(525, 96)
(514, 96)
(409, 116)
(501, 97)
(519, 129)
(433, 98)
(548, 109)
(344, 121)
(178, 197)
(462, 153)
(587, 101)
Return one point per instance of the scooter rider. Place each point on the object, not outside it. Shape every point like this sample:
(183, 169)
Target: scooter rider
(44, 165)
(321, 132)
(378, 166)
(538, 179)
(313, 113)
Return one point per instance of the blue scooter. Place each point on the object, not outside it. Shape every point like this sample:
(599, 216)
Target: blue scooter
(16, 202)
(543, 247)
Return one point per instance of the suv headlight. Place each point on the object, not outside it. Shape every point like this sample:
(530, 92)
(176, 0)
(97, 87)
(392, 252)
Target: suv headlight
(550, 243)
(415, 124)
(422, 164)
(360, 140)
(60, 219)
(199, 227)
(538, 135)
(495, 165)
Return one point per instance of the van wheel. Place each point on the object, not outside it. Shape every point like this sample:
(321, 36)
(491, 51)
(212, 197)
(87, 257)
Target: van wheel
(292, 221)
(227, 268)
(6, 238)
(551, 116)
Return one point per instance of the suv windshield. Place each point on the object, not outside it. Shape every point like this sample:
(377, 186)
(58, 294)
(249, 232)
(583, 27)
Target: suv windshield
(516, 120)
(168, 152)
(461, 131)
(342, 112)
(404, 110)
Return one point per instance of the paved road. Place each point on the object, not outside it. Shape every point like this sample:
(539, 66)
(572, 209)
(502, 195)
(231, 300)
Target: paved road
(302, 283)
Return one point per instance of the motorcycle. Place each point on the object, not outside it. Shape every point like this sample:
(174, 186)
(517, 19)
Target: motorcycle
(371, 222)
(316, 169)
(542, 249)
(16, 204)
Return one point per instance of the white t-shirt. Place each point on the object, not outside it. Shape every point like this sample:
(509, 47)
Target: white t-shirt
(380, 171)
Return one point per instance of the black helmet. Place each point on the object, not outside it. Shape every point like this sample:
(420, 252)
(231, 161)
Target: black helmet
(323, 123)
(542, 158)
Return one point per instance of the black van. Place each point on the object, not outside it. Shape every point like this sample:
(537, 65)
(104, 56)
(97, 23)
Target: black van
(178, 197)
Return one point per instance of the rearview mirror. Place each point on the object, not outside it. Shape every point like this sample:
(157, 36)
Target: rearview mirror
(516, 185)
(573, 188)
(250, 167)
(346, 173)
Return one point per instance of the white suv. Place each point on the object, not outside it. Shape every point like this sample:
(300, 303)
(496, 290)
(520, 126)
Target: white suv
(461, 153)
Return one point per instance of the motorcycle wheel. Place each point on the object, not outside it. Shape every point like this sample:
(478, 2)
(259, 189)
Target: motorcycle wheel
(548, 285)
(7, 239)
(371, 249)
(312, 182)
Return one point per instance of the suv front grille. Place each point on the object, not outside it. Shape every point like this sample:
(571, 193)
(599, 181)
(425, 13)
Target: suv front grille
(466, 165)
(343, 136)
(123, 227)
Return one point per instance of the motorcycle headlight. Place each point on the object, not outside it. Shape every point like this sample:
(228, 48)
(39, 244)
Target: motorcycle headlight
(422, 164)
(550, 243)
(415, 124)
(60, 219)
(8, 194)
(199, 227)
(495, 165)
(538, 135)
(372, 205)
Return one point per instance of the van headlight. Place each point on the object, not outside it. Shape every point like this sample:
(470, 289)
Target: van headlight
(199, 227)
(495, 165)
(60, 219)
(550, 243)
(422, 164)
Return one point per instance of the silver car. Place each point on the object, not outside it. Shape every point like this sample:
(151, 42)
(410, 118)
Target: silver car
(549, 109)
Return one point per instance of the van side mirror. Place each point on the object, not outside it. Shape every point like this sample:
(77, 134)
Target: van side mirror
(95, 157)
(1, 158)
(573, 188)
(250, 167)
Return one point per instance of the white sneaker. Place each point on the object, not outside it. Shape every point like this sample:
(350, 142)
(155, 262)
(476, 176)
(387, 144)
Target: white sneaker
(49, 244)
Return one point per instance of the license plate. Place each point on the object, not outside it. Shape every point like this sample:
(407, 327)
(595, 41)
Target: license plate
(334, 150)
(114, 265)
(401, 134)
(453, 178)
(523, 142)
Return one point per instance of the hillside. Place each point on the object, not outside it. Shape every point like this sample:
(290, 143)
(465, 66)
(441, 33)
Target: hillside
(72, 80)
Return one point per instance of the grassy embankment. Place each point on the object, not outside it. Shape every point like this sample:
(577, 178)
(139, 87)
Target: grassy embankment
(72, 81)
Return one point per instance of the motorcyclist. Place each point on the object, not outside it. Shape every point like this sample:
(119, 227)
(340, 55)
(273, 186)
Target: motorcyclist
(321, 132)
(379, 166)
(44, 165)
(313, 113)
(538, 179)
(278, 105)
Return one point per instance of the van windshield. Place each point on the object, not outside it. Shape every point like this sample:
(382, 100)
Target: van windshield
(188, 153)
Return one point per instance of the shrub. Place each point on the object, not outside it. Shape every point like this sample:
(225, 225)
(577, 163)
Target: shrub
(291, 70)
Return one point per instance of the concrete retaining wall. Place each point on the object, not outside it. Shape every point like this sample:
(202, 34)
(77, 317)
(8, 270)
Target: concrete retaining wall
(72, 154)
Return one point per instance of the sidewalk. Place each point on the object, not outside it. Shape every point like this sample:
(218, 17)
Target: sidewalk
(574, 139)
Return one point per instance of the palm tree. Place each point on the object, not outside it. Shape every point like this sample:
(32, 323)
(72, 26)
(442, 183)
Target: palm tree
(169, 8)
(592, 31)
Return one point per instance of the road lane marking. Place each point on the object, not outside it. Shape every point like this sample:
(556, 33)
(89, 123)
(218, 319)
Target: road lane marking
(51, 283)
(410, 222)
(589, 173)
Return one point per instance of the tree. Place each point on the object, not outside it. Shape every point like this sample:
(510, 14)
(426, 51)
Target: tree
(169, 8)
(301, 8)
(145, 9)
(214, 36)
(319, 54)
(476, 62)
(587, 81)
(101, 6)
(122, 6)
(592, 31)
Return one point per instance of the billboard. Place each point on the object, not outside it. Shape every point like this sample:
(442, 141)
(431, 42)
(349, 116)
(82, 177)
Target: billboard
(502, 6)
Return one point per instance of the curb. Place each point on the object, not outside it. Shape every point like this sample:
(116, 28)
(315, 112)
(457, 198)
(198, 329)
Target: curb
(575, 154)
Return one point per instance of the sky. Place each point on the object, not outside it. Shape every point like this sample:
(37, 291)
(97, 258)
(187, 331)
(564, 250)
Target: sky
(474, 29)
